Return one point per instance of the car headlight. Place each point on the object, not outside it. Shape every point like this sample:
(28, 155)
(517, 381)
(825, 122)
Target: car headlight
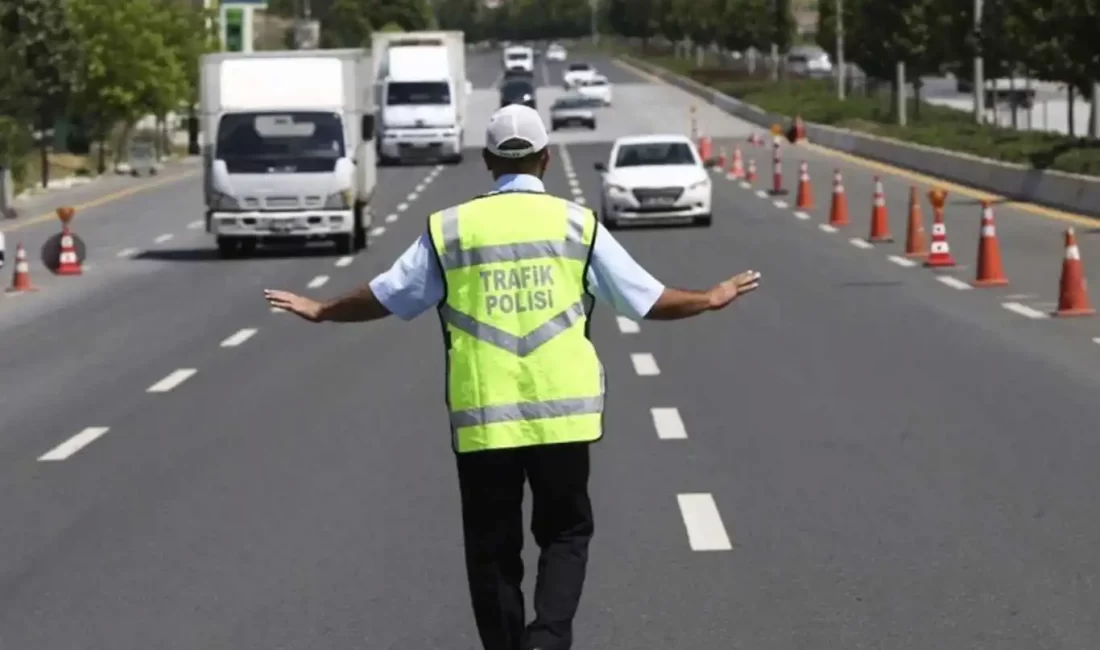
(338, 200)
(616, 189)
(705, 183)
(220, 201)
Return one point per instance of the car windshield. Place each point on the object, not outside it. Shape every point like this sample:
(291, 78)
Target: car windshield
(417, 93)
(594, 82)
(579, 67)
(576, 102)
(655, 153)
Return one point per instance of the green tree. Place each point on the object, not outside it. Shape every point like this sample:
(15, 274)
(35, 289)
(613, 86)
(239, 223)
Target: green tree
(346, 23)
(37, 68)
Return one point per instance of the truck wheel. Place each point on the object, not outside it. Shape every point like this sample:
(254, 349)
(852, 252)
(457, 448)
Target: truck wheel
(227, 248)
(345, 244)
(248, 247)
(360, 239)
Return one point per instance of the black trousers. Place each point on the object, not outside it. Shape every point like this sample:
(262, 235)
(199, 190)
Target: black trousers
(491, 483)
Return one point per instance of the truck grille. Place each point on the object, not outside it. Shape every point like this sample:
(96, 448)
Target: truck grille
(281, 202)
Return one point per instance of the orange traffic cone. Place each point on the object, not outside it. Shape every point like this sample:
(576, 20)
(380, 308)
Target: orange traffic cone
(737, 168)
(705, 147)
(1073, 297)
(21, 277)
(751, 175)
(940, 255)
(722, 158)
(68, 263)
(880, 221)
(838, 212)
(799, 129)
(915, 244)
(991, 272)
(805, 191)
(777, 170)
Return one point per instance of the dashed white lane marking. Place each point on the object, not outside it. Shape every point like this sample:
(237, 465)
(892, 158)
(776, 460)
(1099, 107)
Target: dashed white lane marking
(377, 231)
(704, 524)
(762, 194)
(276, 310)
(644, 364)
(579, 200)
(391, 218)
(901, 261)
(1024, 310)
(801, 215)
(420, 188)
(163, 238)
(782, 205)
(317, 282)
(1096, 340)
(627, 326)
(747, 185)
(238, 338)
(824, 227)
(860, 243)
(439, 168)
(668, 424)
(401, 207)
(411, 197)
(74, 444)
(195, 225)
(573, 182)
(345, 261)
(953, 282)
(172, 380)
(127, 252)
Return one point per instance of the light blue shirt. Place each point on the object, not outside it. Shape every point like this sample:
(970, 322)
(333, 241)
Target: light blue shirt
(414, 284)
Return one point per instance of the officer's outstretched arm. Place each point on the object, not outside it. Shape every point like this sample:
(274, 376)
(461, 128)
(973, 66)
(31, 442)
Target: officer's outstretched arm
(357, 306)
(675, 304)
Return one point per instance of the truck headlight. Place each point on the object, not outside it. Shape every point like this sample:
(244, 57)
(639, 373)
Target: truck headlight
(338, 200)
(223, 202)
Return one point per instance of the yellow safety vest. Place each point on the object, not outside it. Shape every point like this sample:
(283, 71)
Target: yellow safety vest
(521, 369)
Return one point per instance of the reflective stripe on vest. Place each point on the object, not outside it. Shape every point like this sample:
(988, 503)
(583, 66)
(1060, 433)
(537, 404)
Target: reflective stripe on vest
(556, 410)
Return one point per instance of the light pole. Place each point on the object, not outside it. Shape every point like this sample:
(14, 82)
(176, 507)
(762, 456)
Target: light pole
(840, 80)
(979, 67)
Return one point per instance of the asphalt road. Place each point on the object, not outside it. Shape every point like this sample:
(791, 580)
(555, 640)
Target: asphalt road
(856, 456)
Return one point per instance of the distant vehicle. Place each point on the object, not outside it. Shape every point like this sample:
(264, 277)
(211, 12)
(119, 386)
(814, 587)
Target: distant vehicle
(810, 61)
(518, 74)
(577, 71)
(575, 110)
(519, 57)
(653, 179)
(598, 88)
(517, 91)
(555, 52)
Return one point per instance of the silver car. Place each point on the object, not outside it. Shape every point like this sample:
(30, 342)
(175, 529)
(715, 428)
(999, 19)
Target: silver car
(574, 110)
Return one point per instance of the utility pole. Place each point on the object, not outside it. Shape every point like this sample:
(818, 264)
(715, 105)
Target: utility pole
(840, 65)
(979, 66)
(593, 8)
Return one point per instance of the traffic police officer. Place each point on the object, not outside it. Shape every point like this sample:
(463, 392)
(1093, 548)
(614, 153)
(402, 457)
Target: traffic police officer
(513, 274)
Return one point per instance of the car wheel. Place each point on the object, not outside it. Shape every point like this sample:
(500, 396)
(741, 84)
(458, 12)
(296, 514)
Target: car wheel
(703, 221)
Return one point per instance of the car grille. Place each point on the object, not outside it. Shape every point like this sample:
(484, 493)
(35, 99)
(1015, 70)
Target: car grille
(664, 195)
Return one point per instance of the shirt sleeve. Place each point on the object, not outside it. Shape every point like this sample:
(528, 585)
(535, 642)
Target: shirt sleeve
(617, 279)
(413, 284)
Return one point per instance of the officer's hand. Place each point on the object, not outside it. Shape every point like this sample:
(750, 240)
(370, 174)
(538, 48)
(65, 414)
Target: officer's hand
(726, 292)
(307, 308)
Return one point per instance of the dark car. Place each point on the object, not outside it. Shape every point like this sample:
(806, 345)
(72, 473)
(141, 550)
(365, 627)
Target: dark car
(516, 73)
(517, 91)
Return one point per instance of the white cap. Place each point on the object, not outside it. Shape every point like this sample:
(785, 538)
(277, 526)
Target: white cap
(517, 128)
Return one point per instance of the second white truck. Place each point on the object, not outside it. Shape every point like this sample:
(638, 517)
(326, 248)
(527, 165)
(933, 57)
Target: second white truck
(288, 148)
(421, 92)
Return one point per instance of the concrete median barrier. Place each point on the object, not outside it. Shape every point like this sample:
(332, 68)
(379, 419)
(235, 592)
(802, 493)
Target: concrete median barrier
(1070, 192)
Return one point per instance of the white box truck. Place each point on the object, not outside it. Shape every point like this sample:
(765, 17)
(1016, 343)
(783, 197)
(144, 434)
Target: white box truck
(288, 151)
(421, 92)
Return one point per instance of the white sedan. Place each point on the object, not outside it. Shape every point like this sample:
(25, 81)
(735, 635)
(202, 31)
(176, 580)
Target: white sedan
(577, 71)
(598, 87)
(654, 179)
(555, 52)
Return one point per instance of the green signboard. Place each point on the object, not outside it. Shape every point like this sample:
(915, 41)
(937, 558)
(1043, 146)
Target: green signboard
(234, 29)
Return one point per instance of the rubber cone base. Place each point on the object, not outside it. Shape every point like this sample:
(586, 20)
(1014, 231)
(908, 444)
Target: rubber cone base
(1075, 312)
(939, 263)
(775, 192)
(881, 239)
(996, 282)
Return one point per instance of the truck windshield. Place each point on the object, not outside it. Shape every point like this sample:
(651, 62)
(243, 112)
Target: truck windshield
(518, 56)
(306, 141)
(417, 93)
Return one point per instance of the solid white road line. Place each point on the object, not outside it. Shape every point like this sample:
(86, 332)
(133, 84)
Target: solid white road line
(74, 444)
(668, 424)
(824, 227)
(704, 524)
(390, 218)
(802, 215)
(860, 243)
(627, 326)
(238, 338)
(782, 205)
(163, 238)
(953, 282)
(378, 231)
(901, 261)
(317, 282)
(345, 261)
(127, 252)
(644, 364)
(401, 207)
(195, 225)
(1024, 310)
(172, 380)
